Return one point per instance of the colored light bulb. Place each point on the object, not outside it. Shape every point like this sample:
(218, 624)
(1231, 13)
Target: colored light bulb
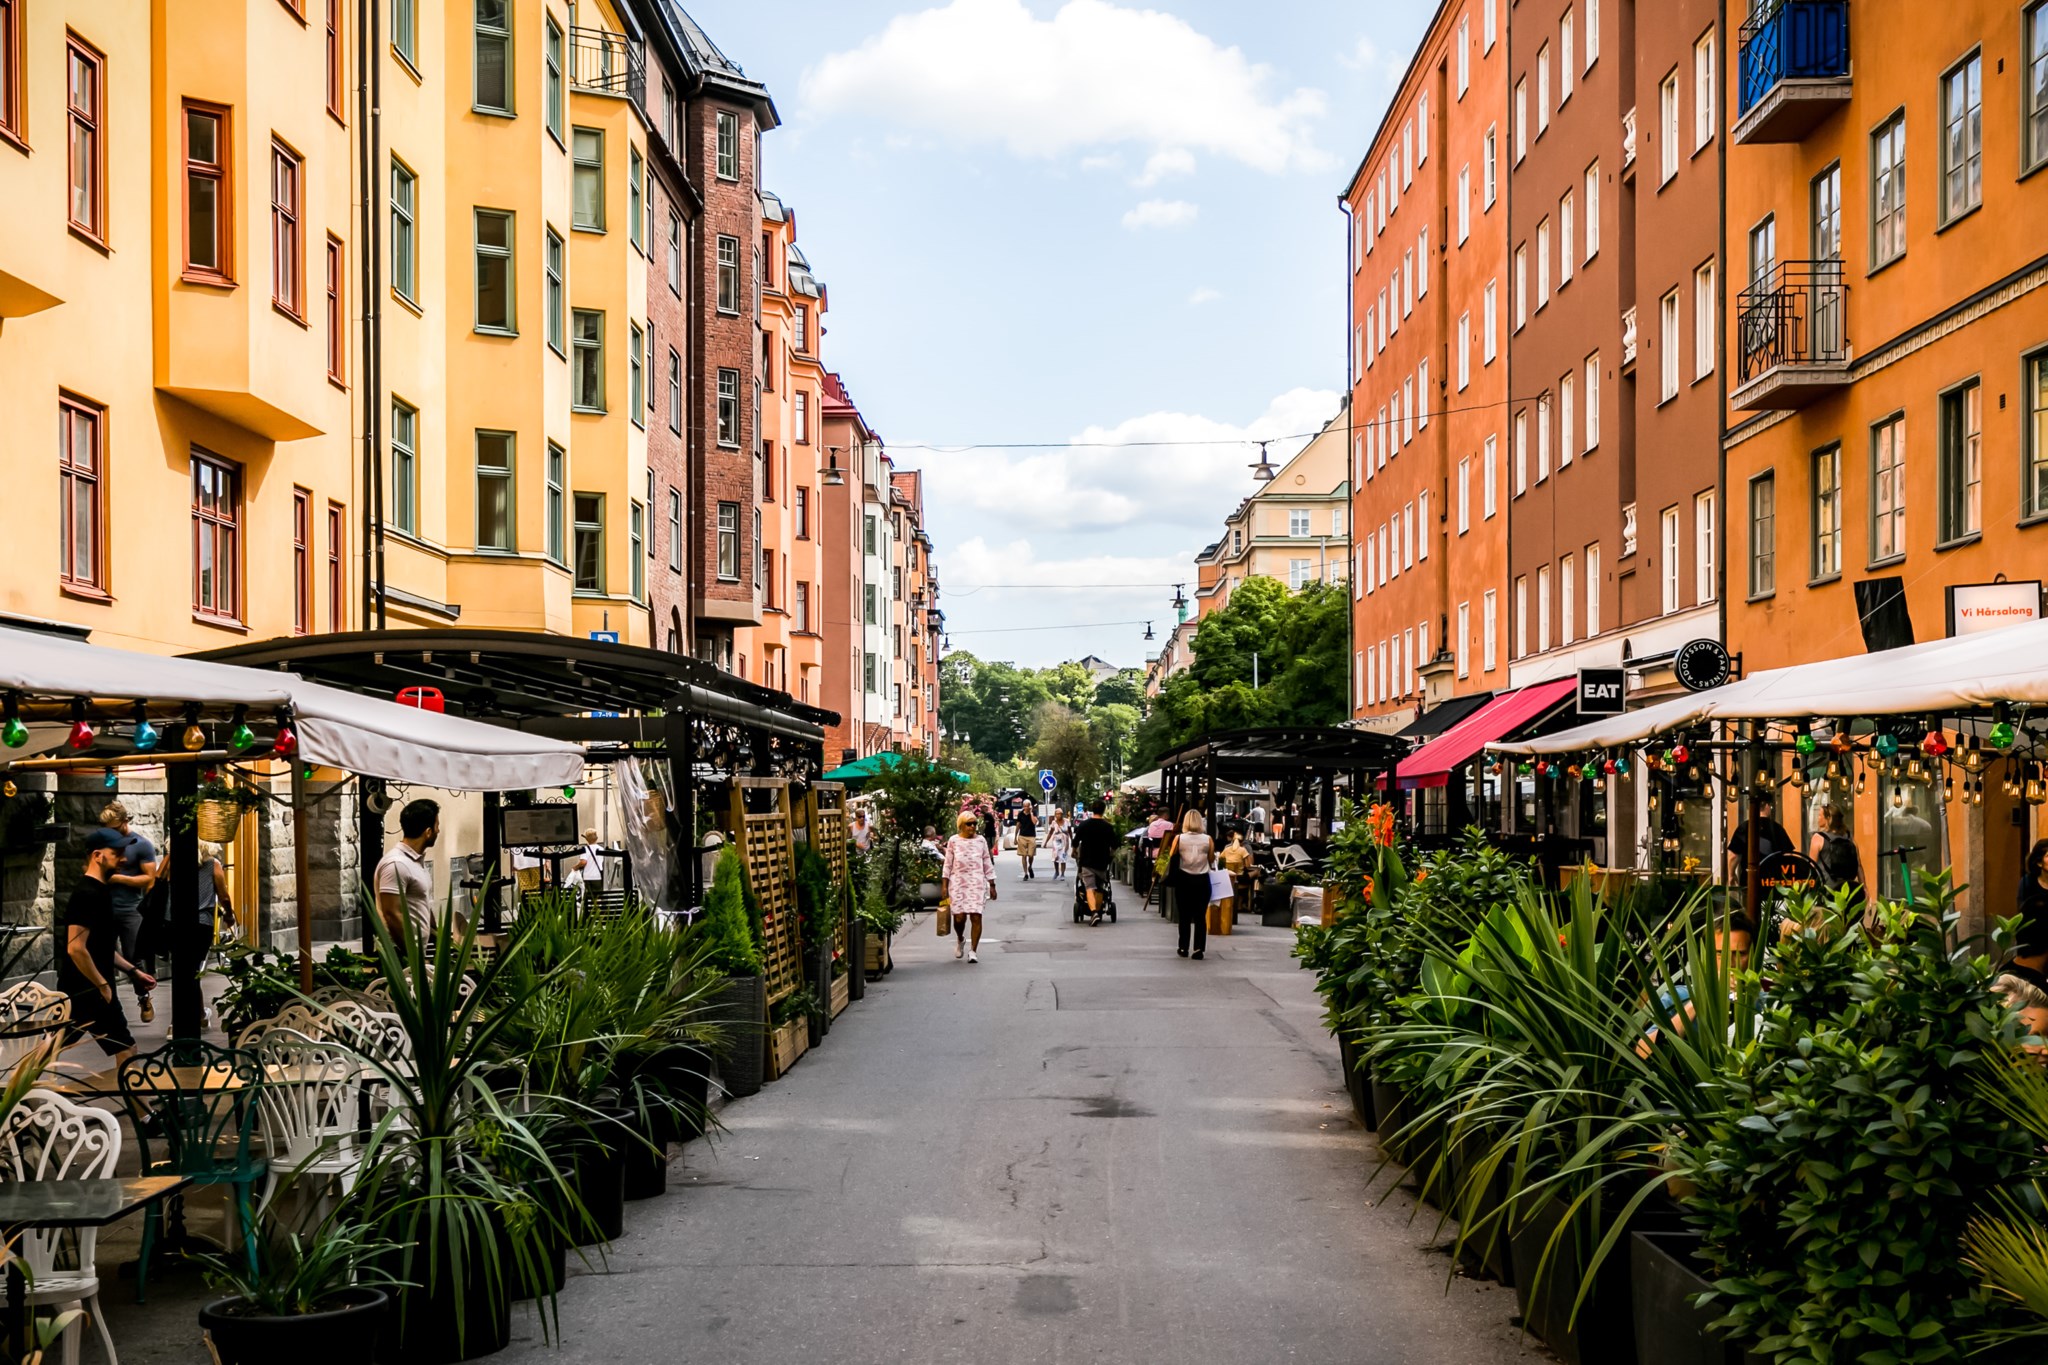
(569, 792)
(1608, 767)
(1936, 743)
(1886, 745)
(241, 737)
(147, 737)
(1803, 742)
(82, 735)
(9, 790)
(287, 740)
(14, 732)
(109, 780)
(1841, 741)
(1621, 766)
(1679, 753)
(2003, 735)
(193, 740)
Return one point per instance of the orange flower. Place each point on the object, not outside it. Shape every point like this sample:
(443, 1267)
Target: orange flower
(1368, 888)
(1381, 821)
(1421, 876)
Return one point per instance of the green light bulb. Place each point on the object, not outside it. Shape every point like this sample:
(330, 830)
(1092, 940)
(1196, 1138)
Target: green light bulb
(1803, 743)
(569, 792)
(14, 732)
(1886, 745)
(241, 737)
(2003, 736)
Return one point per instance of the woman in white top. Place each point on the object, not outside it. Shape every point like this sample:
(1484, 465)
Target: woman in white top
(1187, 876)
(970, 875)
(1059, 838)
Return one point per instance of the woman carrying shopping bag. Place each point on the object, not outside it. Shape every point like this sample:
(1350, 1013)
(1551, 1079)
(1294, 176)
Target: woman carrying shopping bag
(1186, 861)
(970, 878)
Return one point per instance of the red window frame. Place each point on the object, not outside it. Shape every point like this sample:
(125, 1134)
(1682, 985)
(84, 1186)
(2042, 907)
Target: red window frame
(83, 487)
(302, 562)
(216, 538)
(86, 139)
(12, 73)
(287, 239)
(220, 172)
(337, 567)
(337, 312)
(336, 67)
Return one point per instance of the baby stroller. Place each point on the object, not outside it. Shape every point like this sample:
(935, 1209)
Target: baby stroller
(1108, 900)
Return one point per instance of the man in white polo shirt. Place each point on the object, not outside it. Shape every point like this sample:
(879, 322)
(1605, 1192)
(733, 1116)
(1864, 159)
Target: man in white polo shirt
(404, 881)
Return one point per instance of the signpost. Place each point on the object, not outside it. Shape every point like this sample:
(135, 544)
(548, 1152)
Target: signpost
(1602, 691)
(1976, 607)
(1701, 665)
(1048, 781)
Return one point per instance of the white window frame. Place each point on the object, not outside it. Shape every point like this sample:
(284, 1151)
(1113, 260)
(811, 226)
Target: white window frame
(1668, 328)
(1487, 27)
(1564, 57)
(1667, 128)
(1567, 415)
(1464, 494)
(1521, 649)
(1592, 211)
(1543, 609)
(1489, 631)
(1670, 547)
(1489, 180)
(1422, 128)
(1592, 401)
(1464, 54)
(1542, 89)
(1422, 524)
(1464, 203)
(1704, 69)
(1521, 286)
(1421, 394)
(1592, 590)
(1542, 439)
(1567, 229)
(1592, 32)
(1490, 479)
(1567, 594)
(1704, 311)
(1422, 255)
(1543, 265)
(1464, 632)
(1521, 113)
(1490, 323)
(1704, 588)
(1521, 452)
(1464, 351)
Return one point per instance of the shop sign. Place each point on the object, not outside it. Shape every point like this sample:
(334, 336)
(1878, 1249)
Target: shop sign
(1702, 665)
(1977, 607)
(1603, 691)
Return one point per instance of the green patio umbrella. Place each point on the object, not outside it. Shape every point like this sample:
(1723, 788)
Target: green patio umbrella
(873, 766)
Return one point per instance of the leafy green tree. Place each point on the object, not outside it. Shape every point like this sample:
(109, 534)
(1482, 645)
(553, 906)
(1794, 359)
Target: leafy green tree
(990, 706)
(1068, 748)
(917, 792)
(1071, 685)
(1113, 726)
(1122, 689)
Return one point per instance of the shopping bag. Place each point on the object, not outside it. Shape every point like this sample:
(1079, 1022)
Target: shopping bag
(944, 919)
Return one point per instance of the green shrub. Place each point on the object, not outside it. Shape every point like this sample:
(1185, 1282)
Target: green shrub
(727, 928)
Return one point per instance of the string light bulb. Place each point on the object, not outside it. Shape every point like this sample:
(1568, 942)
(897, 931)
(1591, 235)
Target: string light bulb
(109, 781)
(1935, 744)
(241, 736)
(82, 734)
(193, 740)
(287, 740)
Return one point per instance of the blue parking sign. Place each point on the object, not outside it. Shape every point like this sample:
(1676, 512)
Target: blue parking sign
(1047, 780)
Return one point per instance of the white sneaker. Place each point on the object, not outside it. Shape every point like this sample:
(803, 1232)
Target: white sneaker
(958, 947)
(972, 958)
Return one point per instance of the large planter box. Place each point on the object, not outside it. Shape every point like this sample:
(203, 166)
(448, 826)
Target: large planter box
(787, 1043)
(1605, 1332)
(1356, 1083)
(841, 995)
(1275, 906)
(856, 957)
(1393, 1116)
(1664, 1278)
(743, 1008)
(1484, 1249)
(876, 959)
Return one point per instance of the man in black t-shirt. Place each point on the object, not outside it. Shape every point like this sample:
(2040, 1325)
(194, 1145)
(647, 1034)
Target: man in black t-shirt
(1095, 844)
(92, 952)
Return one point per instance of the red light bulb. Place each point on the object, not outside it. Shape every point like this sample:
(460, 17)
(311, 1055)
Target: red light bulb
(82, 735)
(287, 740)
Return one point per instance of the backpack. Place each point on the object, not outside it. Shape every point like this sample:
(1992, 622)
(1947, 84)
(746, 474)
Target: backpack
(1838, 862)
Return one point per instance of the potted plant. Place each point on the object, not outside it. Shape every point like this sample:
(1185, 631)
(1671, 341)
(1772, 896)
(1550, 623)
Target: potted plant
(261, 982)
(732, 951)
(790, 1036)
(313, 1300)
(216, 808)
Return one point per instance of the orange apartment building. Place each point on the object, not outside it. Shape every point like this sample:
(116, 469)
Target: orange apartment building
(914, 635)
(1428, 376)
(787, 650)
(1887, 446)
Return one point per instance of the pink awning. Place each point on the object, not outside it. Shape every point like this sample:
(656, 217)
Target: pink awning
(1433, 764)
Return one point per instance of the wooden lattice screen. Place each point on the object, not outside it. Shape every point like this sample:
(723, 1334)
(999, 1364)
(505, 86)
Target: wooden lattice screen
(826, 807)
(760, 821)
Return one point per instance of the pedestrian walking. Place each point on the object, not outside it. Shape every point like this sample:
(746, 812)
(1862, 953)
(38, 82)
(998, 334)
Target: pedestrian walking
(1187, 876)
(1095, 845)
(92, 950)
(132, 879)
(1834, 852)
(1059, 838)
(588, 868)
(970, 877)
(404, 882)
(990, 831)
(1027, 843)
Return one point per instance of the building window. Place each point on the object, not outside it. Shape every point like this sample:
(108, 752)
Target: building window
(1567, 597)
(494, 287)
(1962, 138)
(495, 528)
(1704, 310)
(494, 56)
(1888, 489)
(1542, 609)
(1888, 191)
(728, 274)
(729, 542)
(1961, 471)
(1542, 439)
(1521, 452)
(209, 210)
(1464, 55)
(1464, 495)
(1542, 264)
(337, 313)
(1521, 119)
(405, 473)
(803, 327)
(85, 99)
(1592, 401)
(1489, 482)
(1489, 180)
(1825, 513)
(11, 43)
(216, 538)
(729, 408)
(1464, 351)
(1567, 230)
(81, 463)
(803, 418)
(589, 542)
(1297, 522)
(556, 500)
(588, 197)
(636, 542)
(728, 145)
(636, 228)
(1667, 126)
(636, 379)
(1763, 535)
(405, 31)
(586, 338)
(1592, 590)
(2034, 84)
(555, 292)
(404, 259)
(337, 568)
(1592, 210)
(1521, 617)
(675, 392)
(2034, 497)
(287, 255)
(551, 81)
(302, 562)
(675, 253)
(1567, 417)
(1460, 645)
(675, 531)
(1565, 74)
(1486, 27)
(1489, 323)
(1667, 340)
(1704, 532)
(803, 512)
(1542, 89)
(1703, 90)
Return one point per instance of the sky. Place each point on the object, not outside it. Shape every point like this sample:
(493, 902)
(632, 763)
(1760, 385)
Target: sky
(1103, 228)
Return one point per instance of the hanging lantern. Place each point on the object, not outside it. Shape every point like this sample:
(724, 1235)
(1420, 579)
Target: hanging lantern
(1915, 771)
(14, 732)
(82, 734)
(1680, 753)
(1973, 755)
(1841, 743)
(1608, 767)
(147, 737)
(241, 736)
(1621, 765)
(1576, 771)
(569, 792)
(1886, 744)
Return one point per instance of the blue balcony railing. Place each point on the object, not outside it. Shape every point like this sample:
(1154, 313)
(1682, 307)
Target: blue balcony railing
(1792, 40)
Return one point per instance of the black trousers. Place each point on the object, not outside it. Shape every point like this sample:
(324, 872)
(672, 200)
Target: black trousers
(1190, 906)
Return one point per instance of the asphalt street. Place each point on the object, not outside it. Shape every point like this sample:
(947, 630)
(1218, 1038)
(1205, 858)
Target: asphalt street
(1081, 1148)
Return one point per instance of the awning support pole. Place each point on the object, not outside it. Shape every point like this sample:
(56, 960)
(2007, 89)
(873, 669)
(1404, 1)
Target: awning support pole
(302, 874)
(188, 1012)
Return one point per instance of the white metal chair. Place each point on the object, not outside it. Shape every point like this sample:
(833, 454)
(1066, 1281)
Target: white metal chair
(49, 1137)
(29, 1013)
(308, 1102)
(309, 1020)
(373, 1033)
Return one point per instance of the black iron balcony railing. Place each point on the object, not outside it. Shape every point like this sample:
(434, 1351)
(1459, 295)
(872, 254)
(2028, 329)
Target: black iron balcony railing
(1791, 40)
(608, 63)
(1795, 316)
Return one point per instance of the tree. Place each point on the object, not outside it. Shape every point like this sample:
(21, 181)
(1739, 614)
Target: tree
(917, 792)
(1068, 748)
(1122, 689)
(989, 705)
(1113, 726)
(1071, 685)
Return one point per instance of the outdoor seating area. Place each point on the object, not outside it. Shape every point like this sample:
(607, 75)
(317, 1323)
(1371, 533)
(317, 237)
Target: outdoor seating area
(1801, 1115)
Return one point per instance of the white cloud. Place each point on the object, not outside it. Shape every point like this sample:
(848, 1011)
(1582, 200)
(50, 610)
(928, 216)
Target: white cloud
(1204, 295)
(1160, 213)
(1366, 56)
(1168, 161)
(1093, 75)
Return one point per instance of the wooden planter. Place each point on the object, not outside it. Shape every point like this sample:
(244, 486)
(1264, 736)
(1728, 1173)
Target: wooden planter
(877, 959)
(842, 995)
(785, 1044)
(217, 821)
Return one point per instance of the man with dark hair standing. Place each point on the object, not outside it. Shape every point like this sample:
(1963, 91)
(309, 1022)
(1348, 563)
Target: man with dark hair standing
(1094, 850)
(404, 882)
(92, 950)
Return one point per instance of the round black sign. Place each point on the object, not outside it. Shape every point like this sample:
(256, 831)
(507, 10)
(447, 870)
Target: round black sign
(1702, 664)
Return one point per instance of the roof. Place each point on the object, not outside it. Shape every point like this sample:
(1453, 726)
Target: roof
(1432, 764)
(1443, 716)
(714, 68)
(772, 210)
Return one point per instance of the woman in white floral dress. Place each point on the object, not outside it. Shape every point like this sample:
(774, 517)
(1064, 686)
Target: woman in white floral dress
(970, 875)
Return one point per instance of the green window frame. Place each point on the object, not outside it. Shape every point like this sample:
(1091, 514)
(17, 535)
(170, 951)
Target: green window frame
(496, 292)
(587, 154)
(556, 294)
(1824, 513)
(405, 467)
(1959, 467)
(405, 266)
(552, 103)
(497, 520)
(556, 501)
(589, 542)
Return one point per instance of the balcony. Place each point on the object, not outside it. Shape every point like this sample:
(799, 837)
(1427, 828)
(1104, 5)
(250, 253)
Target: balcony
(1794, 68)
(1792, 333)
(605, 63)
(1628, 340)
(1628, 144)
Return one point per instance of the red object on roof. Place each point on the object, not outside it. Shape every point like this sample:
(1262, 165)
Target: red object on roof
(1433, 764)
(425, 698)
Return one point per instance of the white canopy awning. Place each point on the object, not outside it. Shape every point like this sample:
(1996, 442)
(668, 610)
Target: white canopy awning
(336, 729)
(1941, 677)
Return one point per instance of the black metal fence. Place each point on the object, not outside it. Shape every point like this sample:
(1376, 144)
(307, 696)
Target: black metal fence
(609, 63)
(1791, 40)
(1795, 316)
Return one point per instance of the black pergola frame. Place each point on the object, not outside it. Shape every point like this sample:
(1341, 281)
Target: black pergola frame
(1317, 755)
(668, 706)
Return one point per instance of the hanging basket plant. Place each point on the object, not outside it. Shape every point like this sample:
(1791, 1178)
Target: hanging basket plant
(217, 808)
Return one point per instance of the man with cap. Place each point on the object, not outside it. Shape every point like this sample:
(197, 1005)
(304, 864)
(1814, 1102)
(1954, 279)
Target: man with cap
(92, 951)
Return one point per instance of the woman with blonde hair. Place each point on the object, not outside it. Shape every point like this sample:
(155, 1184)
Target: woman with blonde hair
(970, 879)
(1187, 875)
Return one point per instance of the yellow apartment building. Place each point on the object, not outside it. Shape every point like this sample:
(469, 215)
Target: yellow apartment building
(199, 450)
(1294, 528)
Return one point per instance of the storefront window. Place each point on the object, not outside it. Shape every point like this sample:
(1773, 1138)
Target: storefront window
(1909, 823)
(1621, 833)
(1682, 816)
(1593, 817)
